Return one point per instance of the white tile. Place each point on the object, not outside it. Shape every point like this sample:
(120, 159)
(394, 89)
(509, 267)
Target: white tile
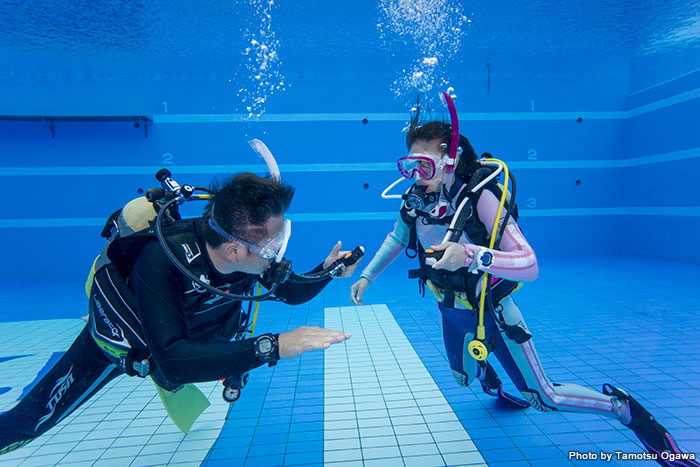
(342, 456)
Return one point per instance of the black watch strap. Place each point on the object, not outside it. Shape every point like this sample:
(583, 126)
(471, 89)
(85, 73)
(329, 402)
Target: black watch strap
(266, 350)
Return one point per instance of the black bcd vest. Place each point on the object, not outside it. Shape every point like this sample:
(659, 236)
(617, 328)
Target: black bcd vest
(461, 280)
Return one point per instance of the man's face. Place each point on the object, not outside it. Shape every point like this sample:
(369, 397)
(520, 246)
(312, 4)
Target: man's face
(252, 263)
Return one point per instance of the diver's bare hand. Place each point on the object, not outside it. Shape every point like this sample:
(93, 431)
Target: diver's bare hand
(335, 255)
(454, 257)
(357, 289)
(296, 342)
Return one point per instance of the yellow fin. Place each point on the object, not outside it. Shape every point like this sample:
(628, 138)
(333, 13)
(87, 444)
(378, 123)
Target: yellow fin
(183, 406)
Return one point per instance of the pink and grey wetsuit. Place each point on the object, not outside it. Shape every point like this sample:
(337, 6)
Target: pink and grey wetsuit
(514, 260)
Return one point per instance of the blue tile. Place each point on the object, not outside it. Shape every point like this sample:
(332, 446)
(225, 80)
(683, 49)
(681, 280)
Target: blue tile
(493, 443)
(271, 429)
(606, 436)
(225, 443)
(502, 455)
(310, 401)
(304, 458)
(265, 461)
(224, 463)
(542, 452)
(485, 433)
(510, 464)
(530, 441)
(308, 446)
(569, 438)
(303, 418)
(266, 449)
(228, 453)
(276, 412)
(557, 428)
(310, 409)
(271, 438)
(300, 436)
(230, 430)
(549, 462)
(306, 426)
(522, 430)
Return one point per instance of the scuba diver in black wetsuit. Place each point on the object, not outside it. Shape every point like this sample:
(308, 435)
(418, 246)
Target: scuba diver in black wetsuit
(165, 302)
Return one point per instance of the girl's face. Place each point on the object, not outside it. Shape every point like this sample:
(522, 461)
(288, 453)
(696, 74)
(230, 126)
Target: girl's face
(435, 150)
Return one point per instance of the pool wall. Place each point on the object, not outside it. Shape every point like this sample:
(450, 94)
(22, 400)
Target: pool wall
(605, 163)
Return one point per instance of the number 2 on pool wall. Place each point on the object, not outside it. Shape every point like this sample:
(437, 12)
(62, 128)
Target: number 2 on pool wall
(167, 158)
(532, 155)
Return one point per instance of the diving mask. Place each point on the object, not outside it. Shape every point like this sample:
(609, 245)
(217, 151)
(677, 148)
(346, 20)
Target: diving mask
(274, 247)
(421, 166)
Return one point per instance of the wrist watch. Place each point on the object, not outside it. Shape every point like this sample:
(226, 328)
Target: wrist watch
(482, 259)
(265, 347)
(485, 258)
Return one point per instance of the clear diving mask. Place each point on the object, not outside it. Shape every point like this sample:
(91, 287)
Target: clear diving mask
(274, 247)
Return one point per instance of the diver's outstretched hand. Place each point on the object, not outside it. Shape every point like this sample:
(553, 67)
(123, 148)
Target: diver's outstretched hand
(357, 289)
(335, 255)
(296, 342)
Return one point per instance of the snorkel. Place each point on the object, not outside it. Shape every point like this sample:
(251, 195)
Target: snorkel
(454, 143)
(274, 171)
(440, 209)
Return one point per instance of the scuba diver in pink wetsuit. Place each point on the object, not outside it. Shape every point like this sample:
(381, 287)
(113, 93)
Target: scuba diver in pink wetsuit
(473, 265)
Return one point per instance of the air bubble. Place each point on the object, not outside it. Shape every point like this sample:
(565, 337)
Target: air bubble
(431, 32)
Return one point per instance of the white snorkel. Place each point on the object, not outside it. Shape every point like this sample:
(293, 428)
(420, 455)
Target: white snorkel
(272, 167)
(274, 170)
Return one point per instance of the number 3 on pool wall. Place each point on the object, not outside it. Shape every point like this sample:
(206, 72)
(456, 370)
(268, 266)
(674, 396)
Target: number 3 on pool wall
(167, 158)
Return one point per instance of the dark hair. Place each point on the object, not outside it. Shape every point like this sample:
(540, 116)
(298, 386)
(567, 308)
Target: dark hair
(243, 204)
(438, 130)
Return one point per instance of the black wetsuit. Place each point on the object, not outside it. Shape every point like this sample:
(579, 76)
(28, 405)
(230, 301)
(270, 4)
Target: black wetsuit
(188, 333)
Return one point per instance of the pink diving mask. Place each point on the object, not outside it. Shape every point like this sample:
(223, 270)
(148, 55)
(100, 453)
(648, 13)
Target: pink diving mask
(421, 166)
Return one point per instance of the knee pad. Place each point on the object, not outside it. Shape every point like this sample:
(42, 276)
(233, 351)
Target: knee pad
(510, 320)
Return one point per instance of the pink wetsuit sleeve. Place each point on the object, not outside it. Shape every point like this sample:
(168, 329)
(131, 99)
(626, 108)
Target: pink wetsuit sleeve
(515, 259)
(393, 245)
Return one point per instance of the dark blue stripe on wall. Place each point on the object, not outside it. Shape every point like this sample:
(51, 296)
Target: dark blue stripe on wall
(338, 167)
(490, 116)
(390, 215)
